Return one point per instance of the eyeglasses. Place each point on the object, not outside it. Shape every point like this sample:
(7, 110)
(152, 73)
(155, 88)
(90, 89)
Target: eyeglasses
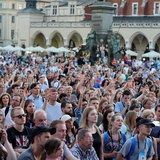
(21, 116)
(15, 100)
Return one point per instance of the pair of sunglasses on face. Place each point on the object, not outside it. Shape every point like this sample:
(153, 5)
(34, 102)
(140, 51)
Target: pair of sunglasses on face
(20, 116)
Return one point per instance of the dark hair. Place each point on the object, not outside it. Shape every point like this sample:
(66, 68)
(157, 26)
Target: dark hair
(157, 106)
(33, 85)
(25, 106)
(50, 147)
(105, 121)
(63, 104)
(14, 86)
(62, 95)
(126, 92)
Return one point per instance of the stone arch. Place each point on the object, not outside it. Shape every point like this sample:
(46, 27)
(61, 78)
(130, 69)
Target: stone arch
(56, 39)
(76, 38)
(156, 43)
(38, 39)
(139, 43)
(121, 38)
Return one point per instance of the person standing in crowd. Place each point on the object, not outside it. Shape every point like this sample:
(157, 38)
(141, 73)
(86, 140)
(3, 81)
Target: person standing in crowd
(40, 118)
(143, 146)
(83, 149)
(15, 102)
(61, 134)
(19, 135)
(53, 149)
(39, 137)
(51, 106)
(29, 109)
(123, 106)
(35, 95)
(89, 120)
(5, 100)
(113, 139)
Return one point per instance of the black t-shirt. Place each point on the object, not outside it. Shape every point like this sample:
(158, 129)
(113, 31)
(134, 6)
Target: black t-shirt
(19, 139)
(97, 143)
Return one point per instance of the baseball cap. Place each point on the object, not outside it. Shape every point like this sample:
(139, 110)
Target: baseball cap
(42, 128)
(144, 122)
(67, 117)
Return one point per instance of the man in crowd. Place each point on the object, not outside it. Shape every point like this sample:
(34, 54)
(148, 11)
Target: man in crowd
(61, 134)
(122, 106)
(39, 137)
(83, 149)
(19, 135)
(35, 95)
(51, 106)
(40, 118)
(143, 146)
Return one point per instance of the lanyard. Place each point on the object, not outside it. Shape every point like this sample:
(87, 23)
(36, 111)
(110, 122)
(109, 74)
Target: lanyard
(138, 143)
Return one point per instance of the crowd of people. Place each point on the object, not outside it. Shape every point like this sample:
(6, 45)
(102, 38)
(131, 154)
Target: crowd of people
(51, 108)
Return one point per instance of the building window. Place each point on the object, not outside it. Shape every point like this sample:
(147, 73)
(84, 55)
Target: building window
(13, 6)
(134, 8)
(13, 19)
(20, 6)
(0, 5)
(54, 10)
(156, 8)
(0, 33)
(116, 8)
(12, 34)
(72, 9)
(0, 19)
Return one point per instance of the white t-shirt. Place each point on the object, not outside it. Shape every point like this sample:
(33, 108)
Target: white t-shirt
(53, 112)
(8, 120)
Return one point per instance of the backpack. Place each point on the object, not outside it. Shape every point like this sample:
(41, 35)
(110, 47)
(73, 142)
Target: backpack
(133, 146)
(106, 138)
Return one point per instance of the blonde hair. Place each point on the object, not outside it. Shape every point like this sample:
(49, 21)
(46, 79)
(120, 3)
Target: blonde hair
(129, 119)
(13, 110)
(146, 113)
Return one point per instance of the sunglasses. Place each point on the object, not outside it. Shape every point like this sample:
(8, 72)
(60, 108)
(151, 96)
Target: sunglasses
(20, 116)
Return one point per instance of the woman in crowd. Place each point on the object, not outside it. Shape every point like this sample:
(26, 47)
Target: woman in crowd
(53, 149)
(102, 104)
(113, 139)
(129, 124)
(107, 115)
(149, 114)
(117, 97)
(29, 109)
(5, 100)
(89, 120)
(70, 133)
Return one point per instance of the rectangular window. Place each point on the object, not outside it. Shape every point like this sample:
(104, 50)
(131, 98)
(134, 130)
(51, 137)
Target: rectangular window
(12, 34)
(13, 6)
(134, 8)
(20, 6)
(54, 10)
(0, 33)
(72, 9)
(13, 19)
(0, 19)
(0, 5)
(156, 8)
(116, 8)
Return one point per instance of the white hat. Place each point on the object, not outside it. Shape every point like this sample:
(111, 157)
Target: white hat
(67, 117)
